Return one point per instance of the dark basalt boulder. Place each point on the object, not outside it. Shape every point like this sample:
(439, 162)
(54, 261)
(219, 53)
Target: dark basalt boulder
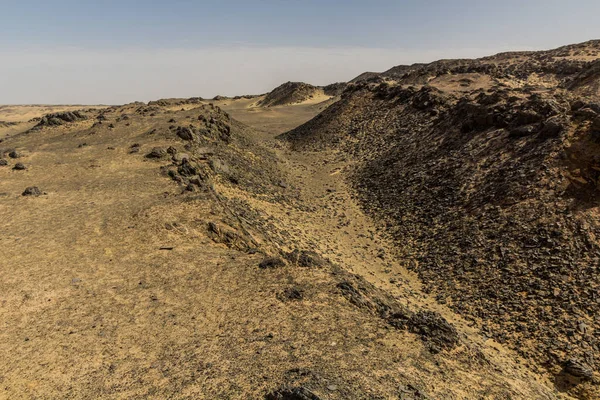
(32, 191)
(271, 263)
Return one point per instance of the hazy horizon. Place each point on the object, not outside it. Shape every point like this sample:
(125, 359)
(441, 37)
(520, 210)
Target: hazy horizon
(118, 52)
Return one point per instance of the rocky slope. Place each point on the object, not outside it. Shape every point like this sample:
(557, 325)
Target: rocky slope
(165, 250)
(485, 174)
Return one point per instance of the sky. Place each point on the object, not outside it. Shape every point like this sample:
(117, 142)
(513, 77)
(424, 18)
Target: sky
(114, 52)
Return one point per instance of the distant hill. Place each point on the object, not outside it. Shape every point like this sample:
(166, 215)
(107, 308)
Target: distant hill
(515, 62)
(290, 93)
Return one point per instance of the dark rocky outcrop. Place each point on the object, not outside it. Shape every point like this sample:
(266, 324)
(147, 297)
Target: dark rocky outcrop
(59, 118)
(434, 330)
(271, 263)
(32, 191)
(291, 293)
(157, 153)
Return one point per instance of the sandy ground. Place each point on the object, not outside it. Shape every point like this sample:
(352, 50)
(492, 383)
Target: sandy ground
(274, 120)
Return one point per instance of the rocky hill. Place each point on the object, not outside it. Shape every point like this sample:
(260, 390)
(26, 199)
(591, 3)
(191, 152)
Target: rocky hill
(562, 62)
(290, 93)
(485, 174)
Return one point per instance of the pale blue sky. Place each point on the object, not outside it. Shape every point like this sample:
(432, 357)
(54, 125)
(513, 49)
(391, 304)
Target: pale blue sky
(119, 51)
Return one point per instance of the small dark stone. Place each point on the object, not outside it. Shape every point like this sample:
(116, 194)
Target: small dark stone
(291, 293)
(196, 181)
(187, 168)
(32, 191)
(179, 157)
(554, 126)
(157, 152)
(3, 162)
(526, 117)
(576, 105)
(134, 148)
(522, 131)
(596, 124)
(585, 113)
(185, 133)
(271, 262)
(190, 188)
(19, 167)
(15, 154)
(173, 175)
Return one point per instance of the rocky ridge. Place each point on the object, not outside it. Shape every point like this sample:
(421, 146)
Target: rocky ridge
(485, 173)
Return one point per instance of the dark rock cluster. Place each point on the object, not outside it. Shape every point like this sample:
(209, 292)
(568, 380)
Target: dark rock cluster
(214, 124)
(437, 333)
(59, 118)
(217, 147)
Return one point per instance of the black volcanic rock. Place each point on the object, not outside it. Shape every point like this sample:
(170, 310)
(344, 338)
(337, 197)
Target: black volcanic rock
(60, 118)
(32, 191)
